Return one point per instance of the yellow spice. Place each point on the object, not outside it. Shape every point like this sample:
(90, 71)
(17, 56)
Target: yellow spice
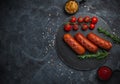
(71, 7)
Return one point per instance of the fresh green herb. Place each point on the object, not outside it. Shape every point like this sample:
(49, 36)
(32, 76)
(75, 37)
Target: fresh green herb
(99, 55)
(115, 38)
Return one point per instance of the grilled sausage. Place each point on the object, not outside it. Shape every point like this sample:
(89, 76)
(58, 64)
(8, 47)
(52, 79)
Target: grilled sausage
(86, 43)
(99, 41)
(74, 44)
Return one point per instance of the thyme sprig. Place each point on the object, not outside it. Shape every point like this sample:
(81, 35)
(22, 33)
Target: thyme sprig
(115, 38)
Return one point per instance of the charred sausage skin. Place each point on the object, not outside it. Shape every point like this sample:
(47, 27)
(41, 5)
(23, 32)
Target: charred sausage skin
(86, 43)
(74, 44)
(105, 44)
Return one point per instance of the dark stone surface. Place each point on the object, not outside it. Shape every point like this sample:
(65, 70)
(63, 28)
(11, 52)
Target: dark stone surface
(27, 42)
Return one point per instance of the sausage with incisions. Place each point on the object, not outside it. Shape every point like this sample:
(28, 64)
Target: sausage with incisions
(86, 43)
(74, 44)
(99, 41)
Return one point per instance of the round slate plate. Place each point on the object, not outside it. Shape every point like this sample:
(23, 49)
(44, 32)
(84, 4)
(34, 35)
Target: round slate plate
(68, 56)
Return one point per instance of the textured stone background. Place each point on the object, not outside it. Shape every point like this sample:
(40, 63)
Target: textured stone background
(27, 42)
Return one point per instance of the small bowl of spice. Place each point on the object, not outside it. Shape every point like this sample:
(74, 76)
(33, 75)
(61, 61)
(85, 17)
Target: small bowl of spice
(71, 6)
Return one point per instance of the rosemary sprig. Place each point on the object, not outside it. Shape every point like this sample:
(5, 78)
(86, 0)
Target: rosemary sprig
(99, 55)
(115, 38)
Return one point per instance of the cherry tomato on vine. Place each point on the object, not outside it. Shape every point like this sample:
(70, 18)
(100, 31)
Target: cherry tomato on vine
(84, 27)
(75, 27)
(67, 27)
(87, 19)
(73, 19)
(80, 19)
(94, 20)
(92, 26)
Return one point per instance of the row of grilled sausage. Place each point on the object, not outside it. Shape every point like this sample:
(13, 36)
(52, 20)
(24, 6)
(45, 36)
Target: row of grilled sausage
(79, 43)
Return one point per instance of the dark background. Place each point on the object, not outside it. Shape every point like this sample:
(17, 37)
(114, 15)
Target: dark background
(27, 42)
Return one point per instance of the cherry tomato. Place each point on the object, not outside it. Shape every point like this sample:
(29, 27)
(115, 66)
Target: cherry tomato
(104, 73)
(73, 19)
(67, 27)
(75, 27)
(92, 26)
(84, 27)
(80, 19)
(87, 19)
(94, 20)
